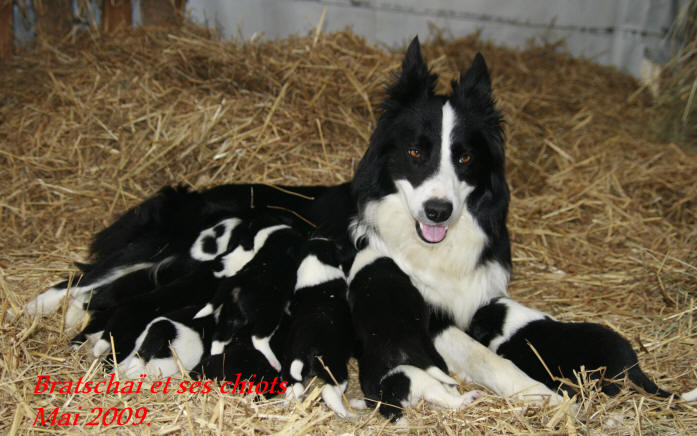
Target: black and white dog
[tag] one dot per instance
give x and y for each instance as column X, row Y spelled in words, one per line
column 550, row 350
column 432, row 196
column 319, row 338
column 428, row 204
column 258, row 286
column 399, row 364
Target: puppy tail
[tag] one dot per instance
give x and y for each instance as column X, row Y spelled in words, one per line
column 637, row 376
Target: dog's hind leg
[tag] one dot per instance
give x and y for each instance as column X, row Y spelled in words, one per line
column 48, row 301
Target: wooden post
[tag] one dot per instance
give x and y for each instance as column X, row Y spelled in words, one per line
column 162, row 11
column 54, row 18
column 115, row 14
column 6, row 29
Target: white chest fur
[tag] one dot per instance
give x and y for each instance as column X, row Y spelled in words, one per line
column 447, row 274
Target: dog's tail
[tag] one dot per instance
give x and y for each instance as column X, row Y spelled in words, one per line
column 639, row 378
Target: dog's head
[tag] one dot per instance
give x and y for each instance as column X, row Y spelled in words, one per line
column 442, row 153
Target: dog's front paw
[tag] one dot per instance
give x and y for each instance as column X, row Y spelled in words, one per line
column 472, row 396
column 514, row 383
column 406, row 385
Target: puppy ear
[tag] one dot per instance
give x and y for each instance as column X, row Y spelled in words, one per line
column 415, row 80
column 475, row 82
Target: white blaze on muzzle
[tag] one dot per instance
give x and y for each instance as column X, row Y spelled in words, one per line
column 444, row 186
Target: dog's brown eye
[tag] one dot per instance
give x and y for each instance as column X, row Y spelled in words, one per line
column 465, row 158
column 415, row 153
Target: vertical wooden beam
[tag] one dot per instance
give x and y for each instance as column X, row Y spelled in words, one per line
column 115, row 14
column 6, row 29
column 161, row 11
column 53, row 17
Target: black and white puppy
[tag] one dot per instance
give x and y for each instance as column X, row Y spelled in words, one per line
column 127, row 322
column 319, row 325
column 237, row 359
column 257, row 284
column 512, row 330
column 101, row 299
column 145, row 238
column 166, row 343
column 180, row 225
column 398, row 363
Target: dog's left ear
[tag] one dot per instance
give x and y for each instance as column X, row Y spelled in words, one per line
column 475, row 82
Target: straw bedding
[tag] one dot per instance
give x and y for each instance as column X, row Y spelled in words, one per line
column 603, row 220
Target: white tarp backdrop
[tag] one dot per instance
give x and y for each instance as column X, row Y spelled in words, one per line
column 611, row 32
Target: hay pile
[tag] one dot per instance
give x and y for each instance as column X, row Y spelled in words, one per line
column 603, row 221
column 678, row 81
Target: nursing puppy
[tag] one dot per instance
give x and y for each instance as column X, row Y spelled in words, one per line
column 319, row 325
column 163, row 337
column 128, row 320
column 238, row 360
column 257, row 286
column 101, row 301
column 398, row 363
column 511, row 329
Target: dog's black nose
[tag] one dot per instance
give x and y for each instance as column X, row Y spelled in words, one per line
column 438, row 210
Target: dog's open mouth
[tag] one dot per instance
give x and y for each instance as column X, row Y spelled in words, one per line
column 431, row 234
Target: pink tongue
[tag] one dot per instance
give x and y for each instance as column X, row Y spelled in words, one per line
column 433, row 233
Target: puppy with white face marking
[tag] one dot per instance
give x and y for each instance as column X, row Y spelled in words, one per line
column 512, row 330
column 126, row 322
column 237, row 357
column 398, row 363
column 319, row 325
column 176, row 331
column 432, row 197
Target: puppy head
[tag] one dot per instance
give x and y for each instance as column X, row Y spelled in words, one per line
column 326, row 251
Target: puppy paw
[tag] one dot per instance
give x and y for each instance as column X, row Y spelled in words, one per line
column 431, row 385
column 332, row 396
column 472, row 396
column 358, row 403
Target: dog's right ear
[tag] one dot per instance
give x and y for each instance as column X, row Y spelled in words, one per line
column 415, row 80
column 413, row 63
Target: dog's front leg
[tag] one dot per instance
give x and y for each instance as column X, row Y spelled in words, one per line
column 475, row 363
column 399, row 365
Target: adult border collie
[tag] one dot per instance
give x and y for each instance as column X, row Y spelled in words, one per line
column 430, row 195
